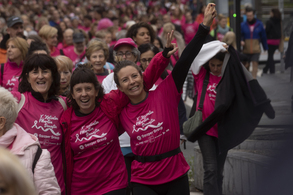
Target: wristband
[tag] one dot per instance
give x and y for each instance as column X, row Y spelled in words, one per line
column 166, row 51
column 205, row 27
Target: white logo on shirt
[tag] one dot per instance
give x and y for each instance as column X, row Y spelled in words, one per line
column 47, row 120
column 89, row 132
column 145, row 122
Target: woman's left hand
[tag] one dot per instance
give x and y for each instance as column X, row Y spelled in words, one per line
column 171, row 45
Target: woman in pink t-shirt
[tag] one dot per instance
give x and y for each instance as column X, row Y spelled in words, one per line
column 213, row 162
column 151, row 121
column 17, row 49
column 42, row 108
column 97, row 53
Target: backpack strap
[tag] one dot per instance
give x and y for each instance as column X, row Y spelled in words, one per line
column 21, row 103
column 62, row 102
column 2, row 71
column 61, row 52
column 37, row 157
column 204, row 89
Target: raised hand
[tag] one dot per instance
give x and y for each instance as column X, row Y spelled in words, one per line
column 171, row 45
column 209, row 14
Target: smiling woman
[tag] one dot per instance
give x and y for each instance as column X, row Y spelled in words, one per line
column 17, row 49
column 42, row 108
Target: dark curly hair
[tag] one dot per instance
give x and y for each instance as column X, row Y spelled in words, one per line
column 133, row 30
column 83, row 74
column 123, row 64
column 43, row 61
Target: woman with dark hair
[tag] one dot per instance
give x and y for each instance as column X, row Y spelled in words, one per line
column 158, row 43
column 41, row 107
column 141, row 33
column 151, row 120
column 208, row 66
column 94, row 161
column 274, row 34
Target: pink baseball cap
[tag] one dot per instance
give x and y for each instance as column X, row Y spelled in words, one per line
column 104, row 24
column 125, row 41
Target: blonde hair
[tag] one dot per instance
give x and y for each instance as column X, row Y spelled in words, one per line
column 9, row 106
column 40, row 21
column 96, row 45
column 221, row 16
column 14, row 175
column 168, row 27
column 63, row 63
column 100, row 34
column 47, row 31
column 21, row 44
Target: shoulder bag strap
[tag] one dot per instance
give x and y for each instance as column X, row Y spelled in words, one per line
column 21, row 103
column 37, row 156
column 204, row 89
column 62, row 102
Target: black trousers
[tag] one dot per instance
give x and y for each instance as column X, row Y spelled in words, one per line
column 270, row 65
column 175, row 187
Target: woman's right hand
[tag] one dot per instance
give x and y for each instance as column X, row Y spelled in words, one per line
column 209, row 14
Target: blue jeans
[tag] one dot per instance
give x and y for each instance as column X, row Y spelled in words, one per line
column 213, row 165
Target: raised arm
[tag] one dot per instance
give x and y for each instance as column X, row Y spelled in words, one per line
column 182, row 66
column 158, row 64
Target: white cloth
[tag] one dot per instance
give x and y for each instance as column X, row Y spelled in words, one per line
column 207, row 51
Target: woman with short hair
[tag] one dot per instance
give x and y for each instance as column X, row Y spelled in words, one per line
column 65, row 66
column 97, row 53
column 25, row 146
column 13, row 176
column 49, row 35
column 17, row 49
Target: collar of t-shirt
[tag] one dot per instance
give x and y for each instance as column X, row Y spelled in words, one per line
column 14, row 63
column 147, row 94
column 38, row 96
column 79, row 114
column 106, row 72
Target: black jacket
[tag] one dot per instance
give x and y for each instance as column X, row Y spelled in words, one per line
column 273, row 28
column 238, row 109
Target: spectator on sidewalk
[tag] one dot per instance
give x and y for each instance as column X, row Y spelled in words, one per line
column 221, row 29
column 274, row 34
column 14, row 29
column 25, row 146
column 252, row 32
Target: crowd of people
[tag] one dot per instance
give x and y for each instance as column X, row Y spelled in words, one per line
column 91, row 91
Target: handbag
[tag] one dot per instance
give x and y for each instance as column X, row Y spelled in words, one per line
column 193, row 122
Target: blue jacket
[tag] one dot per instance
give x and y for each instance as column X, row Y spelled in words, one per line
column 258, row 33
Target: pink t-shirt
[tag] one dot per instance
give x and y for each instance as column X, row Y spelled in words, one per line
column 153, row 127
column 11, row 73
column 98, row 163
column 210, row 97
column 75, row 58
column 55, row 52
column 86, row 29
column 42, row 120
column 189, row 31
column 103, row 75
